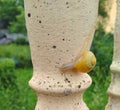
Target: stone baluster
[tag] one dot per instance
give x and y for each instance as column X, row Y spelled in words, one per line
column 56, row 31
column 114, row 89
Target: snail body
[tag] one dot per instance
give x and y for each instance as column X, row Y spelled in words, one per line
column 85, row 63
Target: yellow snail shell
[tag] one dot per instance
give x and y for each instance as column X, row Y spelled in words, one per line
column 84, row 64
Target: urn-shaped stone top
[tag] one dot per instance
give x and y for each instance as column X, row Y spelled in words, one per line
column 57, row 30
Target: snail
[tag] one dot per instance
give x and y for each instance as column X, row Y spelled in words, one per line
column 84, row 64
column 85, row 60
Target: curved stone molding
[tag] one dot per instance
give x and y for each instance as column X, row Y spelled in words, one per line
column 114, row 89
column 57, row 30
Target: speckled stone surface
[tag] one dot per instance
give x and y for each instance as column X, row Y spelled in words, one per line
column 114, row 89
column 56, row 30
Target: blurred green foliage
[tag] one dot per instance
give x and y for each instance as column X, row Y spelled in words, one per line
column 96, row 96
column 21, row 41
column 16, row 95
column 102, row 46
column 19, row 53
column 6, row 73
column 102, row 10
column 8, row 86
column 28, row 97
column 8, row 12
column 12, row 15
column 18, row 25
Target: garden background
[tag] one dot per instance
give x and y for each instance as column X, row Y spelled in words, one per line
column 16, row 66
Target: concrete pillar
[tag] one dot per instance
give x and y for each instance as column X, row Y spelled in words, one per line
column 57, row 30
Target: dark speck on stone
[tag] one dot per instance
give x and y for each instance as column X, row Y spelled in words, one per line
column 79, row 86
column 40, row 21
column 29, row 15
column 54, row 46
column 66, row 3
column 84, row 81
